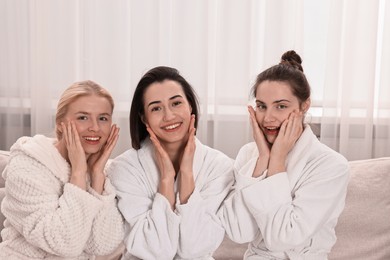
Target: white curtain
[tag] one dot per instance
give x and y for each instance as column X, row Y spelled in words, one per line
column 356, row 103
column 218, row 45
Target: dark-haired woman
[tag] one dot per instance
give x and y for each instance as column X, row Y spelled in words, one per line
column 290, row 189
column 169, row 185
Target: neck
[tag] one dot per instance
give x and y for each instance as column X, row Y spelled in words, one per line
column 175, row 153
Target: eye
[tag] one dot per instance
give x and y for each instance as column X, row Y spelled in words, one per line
column 176, row 103
column 154, row 109
column 83, row 118
column 103, row 118
column 281, row 106
column 260, row 106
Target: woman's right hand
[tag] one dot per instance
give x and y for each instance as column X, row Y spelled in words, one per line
column 167, row 171
column 261, row 143
column 76, row 155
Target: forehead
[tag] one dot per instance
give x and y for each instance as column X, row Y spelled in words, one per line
column 91, row 104
column 274, row 90
column 159, row 91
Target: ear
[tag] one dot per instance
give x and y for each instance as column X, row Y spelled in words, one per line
column 306, row 105
column 142, row 117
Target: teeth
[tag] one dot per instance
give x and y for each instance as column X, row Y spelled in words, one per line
column 92, row 138
column 170, row 127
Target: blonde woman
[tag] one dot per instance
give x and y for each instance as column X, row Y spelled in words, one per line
column 59, row 203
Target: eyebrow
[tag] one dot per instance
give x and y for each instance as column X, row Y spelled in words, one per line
column 276, row 101
column 86, row 113
column 158, row 101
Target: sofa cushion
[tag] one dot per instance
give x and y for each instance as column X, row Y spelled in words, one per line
column 364, row 226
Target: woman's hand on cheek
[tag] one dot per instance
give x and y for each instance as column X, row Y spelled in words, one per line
column 189, row 151
column 97, row 161
column 76, row 154
column 261, row 143
column 289, row 133
column 258, row 135
column 186, row 178
column 167, row 171
column 164, row 163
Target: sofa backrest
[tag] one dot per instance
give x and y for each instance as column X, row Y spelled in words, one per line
column 363, row 229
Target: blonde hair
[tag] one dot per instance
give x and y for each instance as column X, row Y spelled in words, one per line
column 75, row 91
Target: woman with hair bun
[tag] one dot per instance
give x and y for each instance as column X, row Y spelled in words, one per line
column 290, row 189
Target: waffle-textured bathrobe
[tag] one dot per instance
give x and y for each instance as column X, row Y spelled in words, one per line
column 290, row 215
column 153, row 230
column 49, row 218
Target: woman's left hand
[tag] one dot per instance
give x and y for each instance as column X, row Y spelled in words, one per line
column 186, row 178
column 289, row 133
column 187, row 160
column 97, row 161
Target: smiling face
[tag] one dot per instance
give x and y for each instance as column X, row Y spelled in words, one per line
column 274, row 103
column 92, row 116
column 167, row 111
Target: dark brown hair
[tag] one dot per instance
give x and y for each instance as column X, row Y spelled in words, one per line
column 289, row 70
column 138, row 131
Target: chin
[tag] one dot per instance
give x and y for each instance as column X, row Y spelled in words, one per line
column 271, row 140
column 91, row 150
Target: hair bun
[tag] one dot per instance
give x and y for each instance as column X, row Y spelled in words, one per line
column 293, row 59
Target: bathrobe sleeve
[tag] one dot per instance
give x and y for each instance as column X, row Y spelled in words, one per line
column 107, row 229
column 237, row 220
column 201, row 231
column 51, row 217
column 151, row 227
column 287, row 221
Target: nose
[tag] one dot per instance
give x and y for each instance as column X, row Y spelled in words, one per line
column 269, row 116
column 168, row 114
column 94, row 126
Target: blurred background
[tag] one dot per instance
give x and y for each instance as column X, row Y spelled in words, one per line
column 219, row 46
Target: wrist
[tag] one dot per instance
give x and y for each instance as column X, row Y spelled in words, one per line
column 276, row 165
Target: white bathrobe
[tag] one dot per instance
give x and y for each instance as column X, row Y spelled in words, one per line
column 154, row 231
column 290, row 215
column 49, row 218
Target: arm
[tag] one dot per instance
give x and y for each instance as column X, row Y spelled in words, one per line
column 54, row 217
column 166, row 169
column 151, row 227
column 186, row 175
column 107, row 229
column 201, row 231
column 287, row 221
column 239, row 224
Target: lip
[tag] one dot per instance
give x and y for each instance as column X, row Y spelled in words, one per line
column 271, row 130
column 92, row 139
column 172, row 127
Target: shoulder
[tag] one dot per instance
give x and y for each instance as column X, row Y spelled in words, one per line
column 323, row 157
column 247, row 152
column 211, row 154
column 130, row 165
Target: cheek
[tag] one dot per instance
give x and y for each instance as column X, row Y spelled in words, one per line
column 259, row 117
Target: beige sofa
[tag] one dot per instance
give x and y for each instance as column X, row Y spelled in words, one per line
column 363, row 229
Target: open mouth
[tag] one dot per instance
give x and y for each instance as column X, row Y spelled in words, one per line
column 271, row 130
